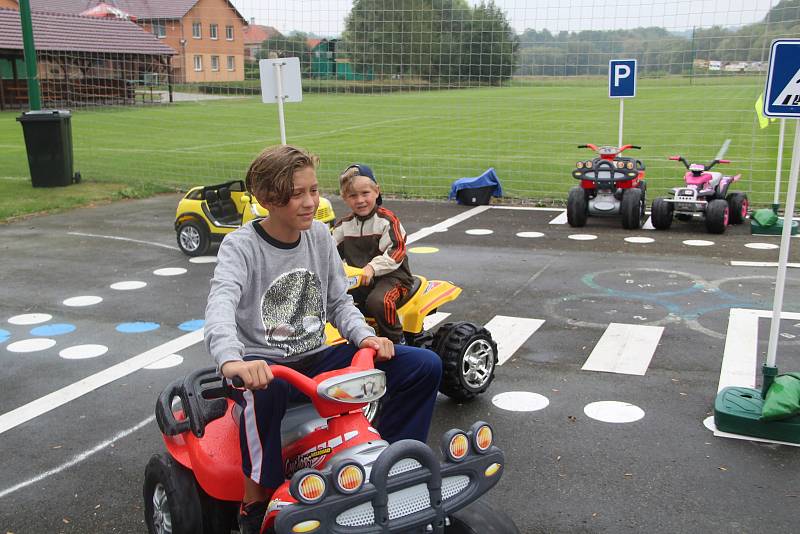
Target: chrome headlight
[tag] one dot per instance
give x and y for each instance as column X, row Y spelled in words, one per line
column 356, row 388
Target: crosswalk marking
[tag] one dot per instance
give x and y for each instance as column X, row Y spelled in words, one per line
column 433, row 319
column 737, row 263
column 560, row 219
column 510, row 333
column 625, row 349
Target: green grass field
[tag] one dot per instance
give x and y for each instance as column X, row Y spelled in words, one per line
column 417, row 142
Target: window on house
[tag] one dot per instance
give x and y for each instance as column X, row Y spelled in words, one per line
column 198, row 63
column 197, row 30
column 212, row 31
column 229, row 33
column 215, row 63
column 159, row 29
column 231, row 63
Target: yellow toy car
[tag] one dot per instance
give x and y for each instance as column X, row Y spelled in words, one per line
column 206, row 213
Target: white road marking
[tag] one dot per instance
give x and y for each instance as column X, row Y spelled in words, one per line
column 510, row 333
column 71, row 392
column 613, row 412
column 698, row 243
column 526, row 208
column 530, row 235
column 31, row 345
column 447, row 223
column 625, row 349
column 128, row 285
column 582, row 237
column 736, row 263
column 77, row 459
column 30, row 319
column 83, row 300
column 170, row 271
column 639, row 239
column 762, row 246
column 520, row 401
column 433, row 319
column 479, row 231
column 560, row 219
column 117, row 238
column 82, row 352
column 648, row 224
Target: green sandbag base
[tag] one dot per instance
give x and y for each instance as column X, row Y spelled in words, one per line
column 737, row 410
column 775, row 229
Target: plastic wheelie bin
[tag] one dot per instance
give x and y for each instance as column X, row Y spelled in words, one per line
column 48, row 140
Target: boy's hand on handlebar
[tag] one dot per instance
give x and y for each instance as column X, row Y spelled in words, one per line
column 255, row 374
column 367, row 275
column 384, row 349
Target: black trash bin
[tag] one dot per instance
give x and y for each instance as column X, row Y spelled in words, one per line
column 48, row 140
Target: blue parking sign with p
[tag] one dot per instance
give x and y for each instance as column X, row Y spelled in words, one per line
column 782, row 96
column 622, row 78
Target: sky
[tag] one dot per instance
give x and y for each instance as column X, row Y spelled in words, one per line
column 326, row 17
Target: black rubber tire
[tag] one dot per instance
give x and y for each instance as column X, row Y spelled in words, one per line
column 661, row 213
column 480, row 518
column 451, row 343
column 738, row 205
column 176, row 485
column 577, row 207
column 717, row 214
column 193, row 238
column 219, row 517
column 631, row 209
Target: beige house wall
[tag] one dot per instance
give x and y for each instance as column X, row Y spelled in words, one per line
column 9, row 4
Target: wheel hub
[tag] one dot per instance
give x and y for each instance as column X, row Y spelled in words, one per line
column 190, row 238
column 478, row 363
column 162, row 520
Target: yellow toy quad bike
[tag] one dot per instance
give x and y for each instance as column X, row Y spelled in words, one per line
column 467, row 350
column 207, row 213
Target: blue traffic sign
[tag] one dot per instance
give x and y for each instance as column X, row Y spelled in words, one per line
column 782, row 96
column 622, row 78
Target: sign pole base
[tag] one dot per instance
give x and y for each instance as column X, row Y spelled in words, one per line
column 775, row 229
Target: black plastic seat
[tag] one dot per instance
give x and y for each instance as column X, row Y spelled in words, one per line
column 228, row 208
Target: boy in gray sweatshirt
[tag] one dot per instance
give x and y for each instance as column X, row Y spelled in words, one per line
column 277, row 282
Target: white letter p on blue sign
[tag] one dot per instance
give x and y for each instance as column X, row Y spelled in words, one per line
column 622, row 78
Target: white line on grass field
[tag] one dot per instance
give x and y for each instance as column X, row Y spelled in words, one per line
column 444, row 225
column 740, row 359
column 561, row 219
column 510, row 333
column 71, row 392
column 117, row 238
column 625, row 349
column 77, row 458
column 736, row 263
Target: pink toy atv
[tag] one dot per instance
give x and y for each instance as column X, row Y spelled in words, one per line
column 706, row 194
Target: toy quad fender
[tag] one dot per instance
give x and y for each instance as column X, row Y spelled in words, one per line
column 705, row 193
column 610, row 185
column 341, row 476
column 468, row 352
column 205, row 214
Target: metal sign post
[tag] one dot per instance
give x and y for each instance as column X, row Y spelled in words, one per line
column 622, row 85
column 280, row 82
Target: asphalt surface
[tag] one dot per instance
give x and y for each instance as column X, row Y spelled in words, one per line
column 79, row 466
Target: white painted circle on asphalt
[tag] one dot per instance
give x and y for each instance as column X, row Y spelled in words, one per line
column 638, row 239
column 30, row 318
column 762, row 246
column 698, row 243
column 128, row 285
column 83, row 300
column 582, row 237
column 169, row 271
column 479, row 231
column 31, row 345
column 83, row 352
column 520, row 401
column 530, row 234
column 613, row 412
column 203, row 259
column 166, row 362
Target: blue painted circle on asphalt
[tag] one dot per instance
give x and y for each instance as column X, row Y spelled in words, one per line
column 53, row 329
column 136, row 328
column 4, row 335
column 191, row 326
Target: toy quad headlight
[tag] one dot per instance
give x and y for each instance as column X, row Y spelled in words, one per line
column 482, row 437
column 356, row 388
column 579, row 165
column 308, row 486
column 588, row 164
column 629, row 164
column 455, row 445
column 349, row 477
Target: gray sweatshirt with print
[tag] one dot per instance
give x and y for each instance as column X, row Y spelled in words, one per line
column 272, row 300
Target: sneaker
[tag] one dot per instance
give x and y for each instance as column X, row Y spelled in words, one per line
column 251, row 517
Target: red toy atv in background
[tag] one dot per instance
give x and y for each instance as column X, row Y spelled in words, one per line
column 610, row 185
column 341, row 476
column 705, row 193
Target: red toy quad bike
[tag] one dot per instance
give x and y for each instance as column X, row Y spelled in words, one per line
column 341, row 476
column 610, row 185
column 705, row 193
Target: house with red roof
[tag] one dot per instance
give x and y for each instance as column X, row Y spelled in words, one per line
column 254, row 37
column 80, row 60
column 207, row 35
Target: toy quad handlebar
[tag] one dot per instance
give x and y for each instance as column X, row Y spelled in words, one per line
column 619, row 150
column 706, row 167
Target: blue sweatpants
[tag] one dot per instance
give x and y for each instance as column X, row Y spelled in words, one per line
column 412, row 381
